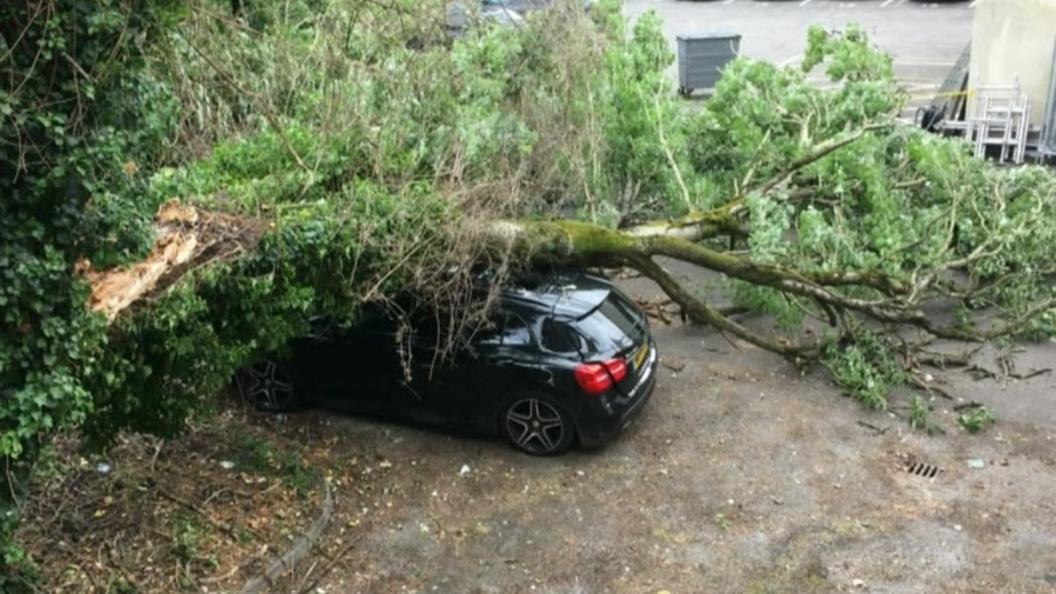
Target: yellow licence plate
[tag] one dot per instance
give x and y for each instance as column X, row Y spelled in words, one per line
column 640, row 356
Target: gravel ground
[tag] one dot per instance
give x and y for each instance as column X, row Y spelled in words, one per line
column 740, row 476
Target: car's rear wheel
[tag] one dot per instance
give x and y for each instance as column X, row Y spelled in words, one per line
column 537, row 425
column 267, row 387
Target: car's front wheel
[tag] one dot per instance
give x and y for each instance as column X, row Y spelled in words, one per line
column 266, row 386
column 537, row 425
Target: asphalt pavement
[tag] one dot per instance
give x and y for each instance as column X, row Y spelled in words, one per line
column 925, row 39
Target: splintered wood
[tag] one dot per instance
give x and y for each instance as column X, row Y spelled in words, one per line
column 185, row 239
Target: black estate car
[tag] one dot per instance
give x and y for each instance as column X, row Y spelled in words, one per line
column 567, row 358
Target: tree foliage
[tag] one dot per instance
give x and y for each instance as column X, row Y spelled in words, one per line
column 364, row 152
column 80, row 119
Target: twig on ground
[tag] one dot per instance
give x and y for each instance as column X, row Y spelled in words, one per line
column 944, row 360
column 159, row 443
column 874, row 428
column 919, row 382
column 1032, row 373
column 228, row 530
column 979, row 372
column 220, row 578
column 338, row 558
column 125, row 573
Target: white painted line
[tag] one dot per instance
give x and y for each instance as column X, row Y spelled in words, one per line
column 972, row 5
column 901, row 2
column 923, row 63
column 886, row 3
column 728, row 1
column 805, row 2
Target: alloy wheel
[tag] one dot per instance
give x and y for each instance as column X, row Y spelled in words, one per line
column 535, row 426
column 266, row 387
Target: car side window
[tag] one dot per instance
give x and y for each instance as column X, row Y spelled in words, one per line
column 507, row 329
column 559, row 337
column 516, row 331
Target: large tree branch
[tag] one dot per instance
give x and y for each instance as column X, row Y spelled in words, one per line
column 700, row 311
column 696, row 226
column 568, row 241
column 188, row 239
column 725, row 219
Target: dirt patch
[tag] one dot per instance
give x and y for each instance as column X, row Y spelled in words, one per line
column 204, row 512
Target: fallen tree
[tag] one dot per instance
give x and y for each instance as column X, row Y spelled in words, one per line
column 998, row 281
column 329, row 155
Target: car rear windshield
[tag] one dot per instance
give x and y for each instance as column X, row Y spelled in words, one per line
column 612, row 326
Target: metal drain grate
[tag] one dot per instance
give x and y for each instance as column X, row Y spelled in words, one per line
column 923, row 470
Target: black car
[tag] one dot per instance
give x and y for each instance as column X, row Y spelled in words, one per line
column 566, row 358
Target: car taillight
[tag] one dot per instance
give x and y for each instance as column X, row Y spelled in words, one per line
column 597, row 378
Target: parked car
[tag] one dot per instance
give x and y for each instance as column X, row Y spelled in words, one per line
column 566, row 358
column 461, row 16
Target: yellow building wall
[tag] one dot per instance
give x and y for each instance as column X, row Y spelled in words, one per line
column 1015, row 38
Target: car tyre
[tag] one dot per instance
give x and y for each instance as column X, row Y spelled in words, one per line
column 537, row 425
column 266, row 386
